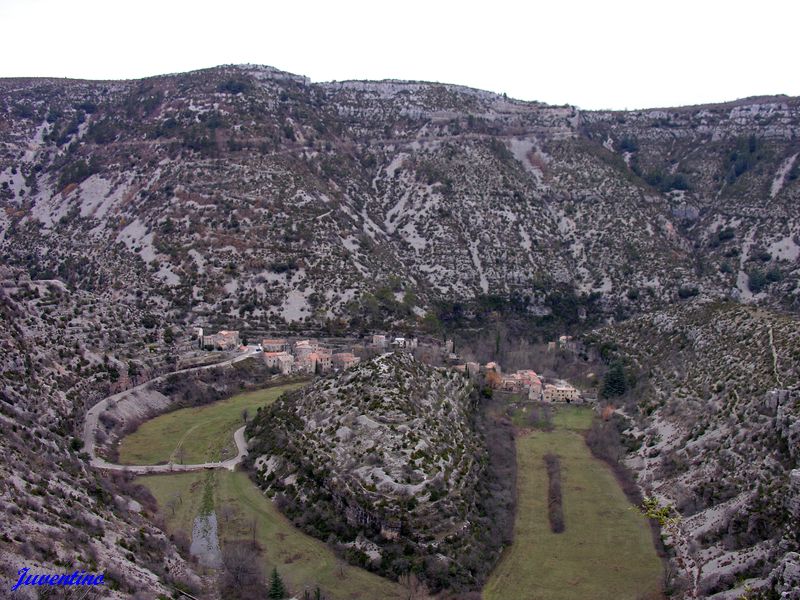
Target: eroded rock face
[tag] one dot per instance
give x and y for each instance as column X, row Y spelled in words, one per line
column 386, row 448
column 786, row 421
column 787, row 576
column 173, row 180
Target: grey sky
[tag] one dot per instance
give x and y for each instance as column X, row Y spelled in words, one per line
column 615, row 54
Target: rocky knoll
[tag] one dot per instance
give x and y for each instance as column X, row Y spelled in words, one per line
column 383, row 461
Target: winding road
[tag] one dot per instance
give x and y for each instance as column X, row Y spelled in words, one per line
column 93, row 415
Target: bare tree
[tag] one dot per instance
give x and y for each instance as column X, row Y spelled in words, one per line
column 412, row 585
column 242, row 576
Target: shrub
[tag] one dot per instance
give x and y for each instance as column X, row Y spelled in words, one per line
column 744, row 157
column 627, row 144
column 234, row 86
column 554, row 502
column 666, row 182
column 77, row 172
column 756, row 281
column 102, row 132
column 725, row 234
column 774, row 275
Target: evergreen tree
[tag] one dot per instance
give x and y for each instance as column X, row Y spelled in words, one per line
column 277, row 591
column 615, row 383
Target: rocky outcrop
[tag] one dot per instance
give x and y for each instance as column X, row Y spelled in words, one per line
column 787, row 423
column 60, row 514
column 786, row 577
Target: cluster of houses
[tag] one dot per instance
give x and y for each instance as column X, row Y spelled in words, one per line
column 310, row 356
column 304, row 356
column 382, row 341
column 223, row 340
column 287, row 356
column 524, row 381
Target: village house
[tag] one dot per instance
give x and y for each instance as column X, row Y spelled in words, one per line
column 344, row 360
column 275, row 345
column 560, row 392
column 224, row 340
column 473, row 369
column 401, row 342
column 521, row 382
column 512, row 383
column 324, row 360
column 306, row 362
column 280, row 360
column 303, row 348
column 535, row 389
column 566, row 342
column 492, row 366
column 379, row 341
column 314, row 361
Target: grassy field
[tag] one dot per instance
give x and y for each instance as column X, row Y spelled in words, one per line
column 195, row 435
column 300, row 559
column 565, row 416
column 606, row 551
column 571, row 417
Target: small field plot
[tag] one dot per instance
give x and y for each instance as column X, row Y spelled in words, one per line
column 572, row 417
column 242, row 512
column 195, row 435
column 542, row 415
column 606, row 549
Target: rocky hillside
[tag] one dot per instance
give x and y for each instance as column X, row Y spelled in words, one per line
column 251, row 197
column 384, row 461
column 717, row 436
column 57, row 511
column 244, row 191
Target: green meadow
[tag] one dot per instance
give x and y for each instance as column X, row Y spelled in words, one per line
column 195, row 435
column 606, row 551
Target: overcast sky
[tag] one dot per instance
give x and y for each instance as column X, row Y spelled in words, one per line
column 596, row 54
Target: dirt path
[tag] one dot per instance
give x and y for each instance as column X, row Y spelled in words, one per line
column 90, row 429
column 230, row 464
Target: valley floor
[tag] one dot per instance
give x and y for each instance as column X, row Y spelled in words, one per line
column 302, row 561
column 242, row 511
column 606, row 550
